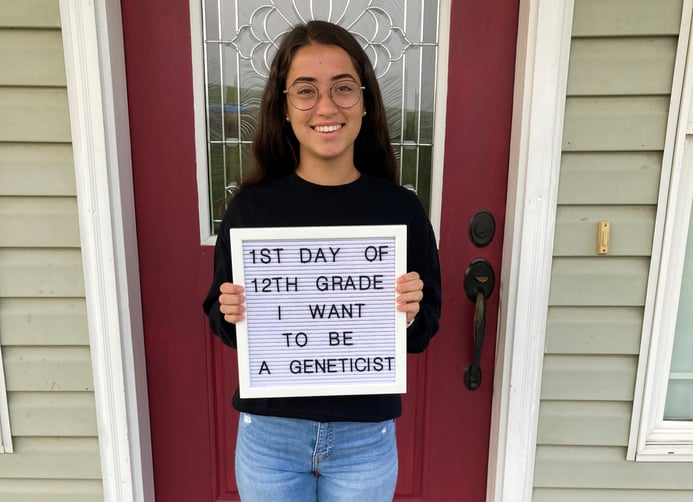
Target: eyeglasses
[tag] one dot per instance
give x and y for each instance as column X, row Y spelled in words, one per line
column 305, row 95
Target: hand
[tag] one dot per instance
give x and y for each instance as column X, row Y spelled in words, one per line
column 231, row 302
column 409, row 288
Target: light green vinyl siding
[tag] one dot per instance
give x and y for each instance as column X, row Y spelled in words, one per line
column 35, row 57
column 36, row 169
column 34, row 115
column 632, row 229
column 39, row 222
column 626, row 18
column 603, row 467
column 43, row 323
column 29, row 14
column 619, row 84
column 594, row 330
column 618, row 177
column 608, row 495
column 21, row 490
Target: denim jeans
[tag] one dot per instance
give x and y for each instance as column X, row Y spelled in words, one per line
column 292, row 460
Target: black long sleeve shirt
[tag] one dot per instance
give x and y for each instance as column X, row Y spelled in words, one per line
column 290, row 201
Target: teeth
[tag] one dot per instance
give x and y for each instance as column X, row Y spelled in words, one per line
column 329, row 128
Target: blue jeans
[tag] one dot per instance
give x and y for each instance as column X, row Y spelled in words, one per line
column 291, row 460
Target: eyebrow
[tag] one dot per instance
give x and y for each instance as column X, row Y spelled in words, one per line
column 341, row 76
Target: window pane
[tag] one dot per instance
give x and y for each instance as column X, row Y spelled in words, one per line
column 240, row 39
column 679, row 402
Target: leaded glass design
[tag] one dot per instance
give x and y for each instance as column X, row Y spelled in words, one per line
column 240, row 39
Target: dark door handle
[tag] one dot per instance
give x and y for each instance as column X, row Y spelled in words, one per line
column 479, row 280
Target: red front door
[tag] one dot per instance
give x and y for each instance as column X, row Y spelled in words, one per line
column 444, row 432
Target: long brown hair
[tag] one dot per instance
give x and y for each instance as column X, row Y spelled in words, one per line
column 275, row 147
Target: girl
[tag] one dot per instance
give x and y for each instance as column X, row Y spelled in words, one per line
column 323, row 157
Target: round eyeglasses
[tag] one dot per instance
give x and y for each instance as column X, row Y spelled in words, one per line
column 305, row 95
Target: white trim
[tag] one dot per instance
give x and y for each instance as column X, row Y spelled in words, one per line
column 652, row 438
column 5, row 431
column 543, row 46
column 200, row 122
column 95, row 69
column 440, row 115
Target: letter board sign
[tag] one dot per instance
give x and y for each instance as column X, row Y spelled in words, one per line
column 321, row 317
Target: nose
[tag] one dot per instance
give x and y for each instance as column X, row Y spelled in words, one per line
column 325, row 104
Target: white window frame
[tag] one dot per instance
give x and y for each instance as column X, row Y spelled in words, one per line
column 652, row 438
column 5, row 432
column 439, row 118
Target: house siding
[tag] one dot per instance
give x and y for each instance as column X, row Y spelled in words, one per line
column 43, row 323
column 619, row 90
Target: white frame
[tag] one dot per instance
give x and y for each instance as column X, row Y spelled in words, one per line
column 440, row 115
column 5, row 431
column 198, row 81
column 652, row 438
column 317, row 235
column 541, row 79
column 544, row 30
column 95, row 71
column 440, row 102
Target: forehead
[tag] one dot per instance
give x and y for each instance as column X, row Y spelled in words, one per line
column 321, row 63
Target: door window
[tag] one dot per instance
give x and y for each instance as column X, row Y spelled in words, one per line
column 238, row 40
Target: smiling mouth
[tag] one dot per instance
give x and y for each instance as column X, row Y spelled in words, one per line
column 328, row 128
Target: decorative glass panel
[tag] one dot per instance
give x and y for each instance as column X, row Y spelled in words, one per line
column 679, row 402
column 241, row 38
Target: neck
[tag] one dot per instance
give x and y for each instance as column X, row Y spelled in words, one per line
column 328, row 175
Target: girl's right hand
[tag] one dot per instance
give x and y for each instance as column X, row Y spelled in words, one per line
column 231, row 302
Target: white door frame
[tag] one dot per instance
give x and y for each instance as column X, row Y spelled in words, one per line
column 94, row 56
column 95, row 71
column 541, row 76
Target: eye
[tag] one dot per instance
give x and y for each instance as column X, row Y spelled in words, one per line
column 304, row 90
column 344, row 87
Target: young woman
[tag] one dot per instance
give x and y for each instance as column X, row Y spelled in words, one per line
column 323, row 157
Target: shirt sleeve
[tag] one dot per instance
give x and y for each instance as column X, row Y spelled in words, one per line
column 222, row 273
column 422, row 257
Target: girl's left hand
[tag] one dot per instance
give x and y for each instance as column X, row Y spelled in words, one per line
column 409, row 288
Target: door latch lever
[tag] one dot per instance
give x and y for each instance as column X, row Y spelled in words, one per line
column 479, row 280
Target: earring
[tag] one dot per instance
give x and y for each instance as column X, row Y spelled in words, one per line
column 287, row 119
column 364, row 113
